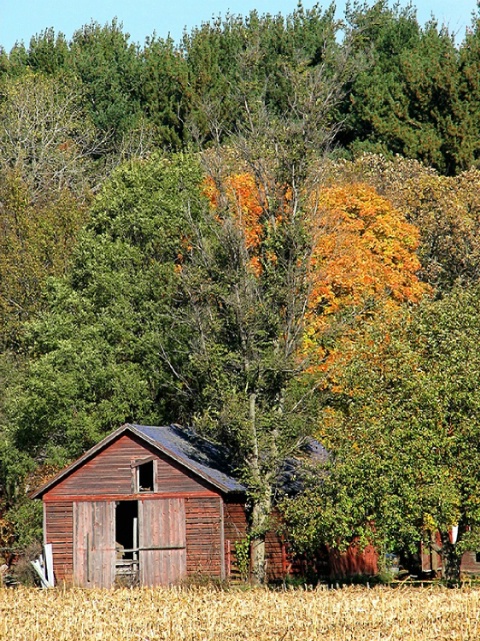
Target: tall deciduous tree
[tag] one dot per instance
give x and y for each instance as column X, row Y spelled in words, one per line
column 253, row 294
column 36, row 241
column 403, row 437
column 250, row 304
column 272, row 77
column 263, row 290
column 46, row 136
column 445, row 209
column 103, row 352
column 363, row 260
column 246, row 288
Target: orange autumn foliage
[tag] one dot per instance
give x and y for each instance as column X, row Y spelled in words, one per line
column 245, row 200
column 364, row 252
column 240, row 191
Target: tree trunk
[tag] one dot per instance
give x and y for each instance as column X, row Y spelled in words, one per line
column 262, row 502
column 451, row 560
column 259, row 526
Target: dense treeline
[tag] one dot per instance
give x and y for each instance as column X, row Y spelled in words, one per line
column 406, row 87
column 252, row 230
column 377, row 81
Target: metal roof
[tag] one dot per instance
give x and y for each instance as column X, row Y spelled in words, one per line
column 200, row 456
column 292, row 476
column 195, row 452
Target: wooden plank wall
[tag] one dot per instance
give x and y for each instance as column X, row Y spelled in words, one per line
column 235, row 530
column 59, row 532
column 94, row 544
column 276, row 560
column 170, row 477
column 162, row 524
column 277, row 563
column 204, row 536
column 469, row 563
column 109, row 473
column 354, row 561
column 432, row 563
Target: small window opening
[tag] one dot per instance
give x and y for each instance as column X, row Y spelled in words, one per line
column 145, row 477
column 477, row 557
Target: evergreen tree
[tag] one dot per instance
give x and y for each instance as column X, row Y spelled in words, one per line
column 408, row 98
column 109, row 68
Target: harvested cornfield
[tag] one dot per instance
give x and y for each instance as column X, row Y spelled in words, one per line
column 201, row 614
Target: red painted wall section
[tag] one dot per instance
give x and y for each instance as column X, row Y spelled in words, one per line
column 470, row 565
column 276, row 559
column 354, row 561
column 109, row 472
column 235, row 530
column 59, row 532
column 204, row 536
column 432, row 564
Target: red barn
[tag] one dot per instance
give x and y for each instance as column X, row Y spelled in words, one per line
column 148, row 506
column 156, row 506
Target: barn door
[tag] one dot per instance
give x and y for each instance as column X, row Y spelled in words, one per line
column 94, row 543
column 162, row 541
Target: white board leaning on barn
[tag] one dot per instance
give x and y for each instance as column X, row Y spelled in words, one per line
column 44, row 566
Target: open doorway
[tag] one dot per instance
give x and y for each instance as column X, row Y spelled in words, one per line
column 126, row 542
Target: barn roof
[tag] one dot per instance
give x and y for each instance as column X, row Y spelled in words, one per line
column 195, row 452
column 183, row 445
column 291, row 479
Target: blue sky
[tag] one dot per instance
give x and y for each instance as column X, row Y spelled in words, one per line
column 20, row 19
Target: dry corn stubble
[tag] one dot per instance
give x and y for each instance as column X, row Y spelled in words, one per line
column 202, row 614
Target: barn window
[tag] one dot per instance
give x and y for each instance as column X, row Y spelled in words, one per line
column 143, row 474
column 477, row 557
column 145, row 477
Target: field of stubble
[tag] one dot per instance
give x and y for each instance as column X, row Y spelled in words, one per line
column 199, row 614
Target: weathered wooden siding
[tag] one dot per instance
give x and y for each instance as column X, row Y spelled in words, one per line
column 235, row 521
column 173, row 478
column 277, row 561
column 109, row 473
column 275, row 552
column 354, row 561
column 58, row 530
column 94, row 544
column 469, row 563
column 162, row 524
column 432, row 563
column 235, row 530
column 205, row 553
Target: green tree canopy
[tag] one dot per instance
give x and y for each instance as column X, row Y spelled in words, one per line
column 403, row 435
column 109, row 68
column 409, row 98
column 98, row 356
